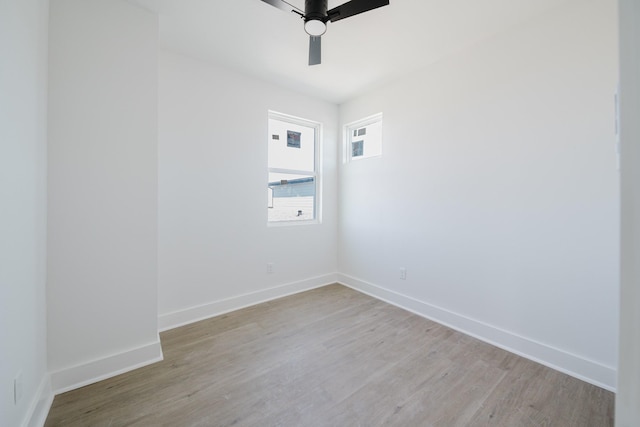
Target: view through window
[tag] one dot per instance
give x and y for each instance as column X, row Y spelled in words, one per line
column 292, row 161
column 364, row 138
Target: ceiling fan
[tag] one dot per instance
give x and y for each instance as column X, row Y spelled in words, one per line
column 316, row 16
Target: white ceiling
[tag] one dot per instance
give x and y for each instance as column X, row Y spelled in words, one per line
column 358, row 53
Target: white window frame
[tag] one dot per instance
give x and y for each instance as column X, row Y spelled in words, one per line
column 317, row 133
column 348, row 135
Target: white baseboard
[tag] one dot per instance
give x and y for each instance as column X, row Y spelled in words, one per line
column 194, row 314
column 40, row 405
column 560, row 360
column 106, row 367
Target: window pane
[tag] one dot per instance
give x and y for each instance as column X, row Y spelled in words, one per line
column 291, row 197
column 291, row 146
column 357, row 148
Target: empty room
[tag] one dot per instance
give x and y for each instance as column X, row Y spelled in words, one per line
column 319, row 213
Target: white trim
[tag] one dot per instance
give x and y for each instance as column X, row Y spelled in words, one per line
column 205, row 311
column 627, row 413
column 293, row 223
column 40, row 405
column 571, row 364
column 292, row 119
column 100, row 369
column 293, row 172
column 365, row 121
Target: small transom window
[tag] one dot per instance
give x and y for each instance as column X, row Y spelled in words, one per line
column 364, row 138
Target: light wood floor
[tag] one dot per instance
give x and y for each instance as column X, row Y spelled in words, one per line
column 332, row 357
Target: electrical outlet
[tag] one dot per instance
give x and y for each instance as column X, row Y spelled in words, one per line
column 403, row 273
column 269, row 268
column 17, row 388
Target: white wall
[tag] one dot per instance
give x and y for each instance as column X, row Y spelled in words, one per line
column 214, row 243
column 628, row 393
column 23, row 121
column 102, row 218
column 498, row 191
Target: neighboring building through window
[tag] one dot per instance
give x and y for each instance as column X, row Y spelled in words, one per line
column 364, row 138
column 293, row 184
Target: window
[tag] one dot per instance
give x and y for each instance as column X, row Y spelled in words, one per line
column 292, row 187
column 364, row 138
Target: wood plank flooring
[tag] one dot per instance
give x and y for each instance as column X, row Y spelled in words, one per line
column 332, row 357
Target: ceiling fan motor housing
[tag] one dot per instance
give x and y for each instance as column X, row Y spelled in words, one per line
column 315, row 10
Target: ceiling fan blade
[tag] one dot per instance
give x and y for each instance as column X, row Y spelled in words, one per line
column 283, row 5
column 354, row 7
column 315, row 50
